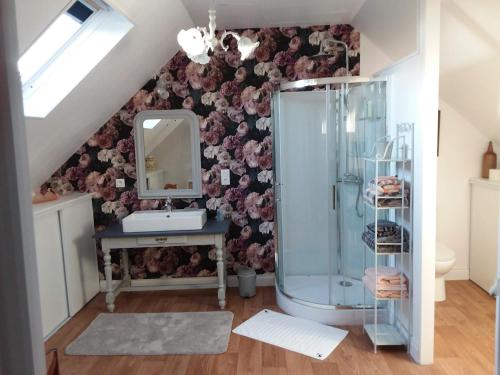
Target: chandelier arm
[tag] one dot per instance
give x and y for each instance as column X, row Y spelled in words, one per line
column 203, row 31
column 224, row 35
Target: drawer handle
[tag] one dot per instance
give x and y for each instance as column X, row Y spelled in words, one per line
column 161, row 239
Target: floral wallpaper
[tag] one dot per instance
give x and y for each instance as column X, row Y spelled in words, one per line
column 232, row 100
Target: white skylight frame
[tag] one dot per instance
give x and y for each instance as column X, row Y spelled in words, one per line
column 97, row 36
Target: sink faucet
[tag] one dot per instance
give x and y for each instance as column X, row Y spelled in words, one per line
column 168, row 205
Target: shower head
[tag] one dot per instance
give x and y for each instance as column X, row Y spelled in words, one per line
column 330, row 47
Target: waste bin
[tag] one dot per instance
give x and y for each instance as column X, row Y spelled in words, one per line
column 246, row 280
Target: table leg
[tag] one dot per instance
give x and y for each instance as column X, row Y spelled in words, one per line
column 110, row 297
column 221, row 269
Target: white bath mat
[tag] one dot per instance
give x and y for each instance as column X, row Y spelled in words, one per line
column 298, row 335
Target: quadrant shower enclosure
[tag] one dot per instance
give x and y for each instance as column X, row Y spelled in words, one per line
column 322, row 128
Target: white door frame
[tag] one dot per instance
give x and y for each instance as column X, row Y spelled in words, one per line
column 21, row 343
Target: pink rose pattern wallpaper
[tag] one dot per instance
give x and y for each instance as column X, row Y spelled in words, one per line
column 233, row 101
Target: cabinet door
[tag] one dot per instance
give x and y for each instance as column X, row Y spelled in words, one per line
column 80, row 256
column 484, row 235
column 50, row 267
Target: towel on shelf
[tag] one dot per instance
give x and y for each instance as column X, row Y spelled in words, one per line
column 385, row 228
column 386, row 185
column 388, row 232
column 370, row 196
column 389, row 282
column 385, row 293
column 383, row 271
column 386, row 188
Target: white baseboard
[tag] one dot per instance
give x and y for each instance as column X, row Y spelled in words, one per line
column 180, row 283
column 458, row 274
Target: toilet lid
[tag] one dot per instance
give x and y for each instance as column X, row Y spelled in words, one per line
column 444, row 253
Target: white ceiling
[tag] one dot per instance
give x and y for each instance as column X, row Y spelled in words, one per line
column 379, row 18
column 239, row 14
column 470, row 62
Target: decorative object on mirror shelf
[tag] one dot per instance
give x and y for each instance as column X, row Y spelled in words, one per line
column 151, row 164
column 489, row 161
column 197, row 42
column 167, row 152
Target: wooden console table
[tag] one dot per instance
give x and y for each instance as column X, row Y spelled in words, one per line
column 212, row 233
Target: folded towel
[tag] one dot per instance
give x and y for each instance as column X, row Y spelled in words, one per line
column 384, row 293
column 385, row 200
column 396, row 284
column 385, row 185
column 392, row 246
column 388, row 232
column 384, row 226
column 383, row 271
column 386, row 189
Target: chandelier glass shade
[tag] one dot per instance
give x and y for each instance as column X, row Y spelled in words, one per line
column 197, row 42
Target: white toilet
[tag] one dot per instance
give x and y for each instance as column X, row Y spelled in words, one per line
column 445, row 260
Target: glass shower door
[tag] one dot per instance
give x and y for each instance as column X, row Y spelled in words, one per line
column 307, row 233
column 361, row 121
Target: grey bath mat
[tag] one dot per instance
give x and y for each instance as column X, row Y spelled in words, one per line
column 155, row 334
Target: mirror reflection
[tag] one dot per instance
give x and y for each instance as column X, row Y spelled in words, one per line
column 167, row 151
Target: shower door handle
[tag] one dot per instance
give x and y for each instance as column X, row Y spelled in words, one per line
column 334, row 197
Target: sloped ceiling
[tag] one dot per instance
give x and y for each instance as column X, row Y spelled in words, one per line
column 139, row 55
column 391, row 28
column 470, row 62
column 239, row 14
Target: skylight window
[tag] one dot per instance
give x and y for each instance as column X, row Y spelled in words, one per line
column 53, row 39
column 150, row 123
column 66, row 52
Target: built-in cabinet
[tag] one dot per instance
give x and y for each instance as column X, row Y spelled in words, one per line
column 66, row 258
column 484, row 231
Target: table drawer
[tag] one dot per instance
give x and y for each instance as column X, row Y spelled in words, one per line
column 162, row 240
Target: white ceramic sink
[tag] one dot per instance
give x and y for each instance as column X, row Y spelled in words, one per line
column 157, row 220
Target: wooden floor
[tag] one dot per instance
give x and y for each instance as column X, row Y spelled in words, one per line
column 464, row 340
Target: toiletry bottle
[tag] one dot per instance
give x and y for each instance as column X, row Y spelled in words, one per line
column 219, row 216
column 489, row 161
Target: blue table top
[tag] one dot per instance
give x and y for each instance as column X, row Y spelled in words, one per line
column 212, row 226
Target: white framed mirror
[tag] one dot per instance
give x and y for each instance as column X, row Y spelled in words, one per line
column 167, row 152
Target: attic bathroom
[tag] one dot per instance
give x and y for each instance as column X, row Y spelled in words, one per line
column 249, row 187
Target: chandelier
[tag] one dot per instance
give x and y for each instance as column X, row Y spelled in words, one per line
column 197, row 42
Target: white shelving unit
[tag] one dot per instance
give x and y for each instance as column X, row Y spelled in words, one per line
column 393, row 327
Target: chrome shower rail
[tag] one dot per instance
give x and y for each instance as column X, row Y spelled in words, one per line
column 326, row 81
